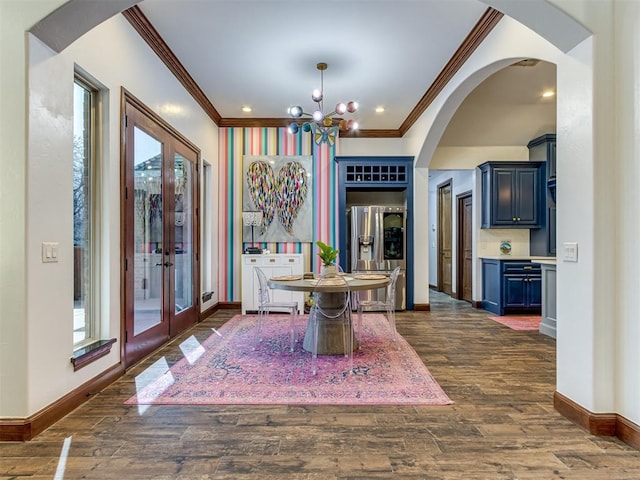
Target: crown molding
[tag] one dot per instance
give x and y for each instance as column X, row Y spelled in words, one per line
column 487, row 22
column 149, row 34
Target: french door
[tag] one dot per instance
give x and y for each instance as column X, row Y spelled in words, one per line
column 160, row 232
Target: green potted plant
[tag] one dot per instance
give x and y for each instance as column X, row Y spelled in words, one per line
column 328, row 255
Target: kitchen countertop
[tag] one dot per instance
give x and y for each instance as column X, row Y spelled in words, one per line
column 530, row 258
column 545, row 261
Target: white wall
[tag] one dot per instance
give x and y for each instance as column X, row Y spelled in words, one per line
column 461, row 158
column 16, row 17
column 627, row 327
column 115, row 55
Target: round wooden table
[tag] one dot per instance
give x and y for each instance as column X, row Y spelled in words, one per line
column 330, row 338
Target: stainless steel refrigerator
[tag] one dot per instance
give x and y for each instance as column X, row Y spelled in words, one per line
column 377, row 243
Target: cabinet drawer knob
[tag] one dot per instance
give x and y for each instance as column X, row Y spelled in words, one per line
column 518, row 218
column 514, row 219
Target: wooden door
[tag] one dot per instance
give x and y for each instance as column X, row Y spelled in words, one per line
column 465, row 246
column 160, row 235
column 445, row 264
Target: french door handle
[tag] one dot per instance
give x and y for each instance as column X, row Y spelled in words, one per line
column 168, row 264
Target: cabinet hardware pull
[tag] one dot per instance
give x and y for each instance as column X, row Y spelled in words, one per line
column 518, row 218
column 514, row 219
column 272, row 260
column 529, row 267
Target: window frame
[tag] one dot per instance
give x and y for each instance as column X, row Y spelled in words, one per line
column 95, row 124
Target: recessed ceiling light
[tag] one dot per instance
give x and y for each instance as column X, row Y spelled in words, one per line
column 246, row 109
column 548, row 93
column 379, row 109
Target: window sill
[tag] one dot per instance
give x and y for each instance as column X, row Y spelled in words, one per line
column 85, row 355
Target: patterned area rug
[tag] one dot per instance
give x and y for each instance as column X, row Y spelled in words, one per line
column 225, row 369
column 520, row 322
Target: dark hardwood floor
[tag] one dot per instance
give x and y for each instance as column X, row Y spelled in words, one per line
column 501, row 426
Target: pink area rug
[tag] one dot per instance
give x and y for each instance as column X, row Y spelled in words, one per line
column 225, row 370
column 520, row 322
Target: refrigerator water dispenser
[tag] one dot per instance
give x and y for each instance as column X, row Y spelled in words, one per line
column 365, row 243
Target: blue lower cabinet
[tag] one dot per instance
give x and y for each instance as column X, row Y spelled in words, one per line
column 510, row 286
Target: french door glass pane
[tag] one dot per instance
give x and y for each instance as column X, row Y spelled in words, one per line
column 148, row 235
column 183, row 233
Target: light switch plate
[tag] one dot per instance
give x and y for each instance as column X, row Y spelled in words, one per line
column 50, row 252
column 570, row 252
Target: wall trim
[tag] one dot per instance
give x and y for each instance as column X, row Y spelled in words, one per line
column 599, row 424
column 208, row 312
column 24, row 429
column 421, row 307
column 229, row 305
column 476, row 304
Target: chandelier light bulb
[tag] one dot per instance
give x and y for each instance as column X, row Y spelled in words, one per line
column 317, row 116
column 352, row 107
column 341, row 108
column 352, row 124
column 293, row 127
column 295, row 111
column 316, row 95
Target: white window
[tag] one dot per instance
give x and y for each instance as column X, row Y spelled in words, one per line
column 86, row 137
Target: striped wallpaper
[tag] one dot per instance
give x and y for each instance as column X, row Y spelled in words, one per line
column 234, row 143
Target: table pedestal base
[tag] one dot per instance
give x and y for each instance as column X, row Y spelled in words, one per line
column 330, row 337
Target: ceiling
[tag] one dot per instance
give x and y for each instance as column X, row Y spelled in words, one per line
column 263, row 54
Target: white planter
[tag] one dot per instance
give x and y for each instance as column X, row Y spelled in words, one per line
column 328, row 270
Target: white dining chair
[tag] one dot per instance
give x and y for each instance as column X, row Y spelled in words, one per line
column 266, row 306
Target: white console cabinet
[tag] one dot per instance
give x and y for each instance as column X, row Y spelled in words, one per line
column 272, row 265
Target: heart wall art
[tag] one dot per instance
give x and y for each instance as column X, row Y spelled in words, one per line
column 281, row 187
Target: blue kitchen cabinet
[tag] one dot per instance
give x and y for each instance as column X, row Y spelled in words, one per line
column 511, row 286
column 511, row 194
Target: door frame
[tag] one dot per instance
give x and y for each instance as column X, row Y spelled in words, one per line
column 127, row 100
column 460, row 198
column 449, row 183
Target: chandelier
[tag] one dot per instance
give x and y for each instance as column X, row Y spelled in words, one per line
column 323, row 126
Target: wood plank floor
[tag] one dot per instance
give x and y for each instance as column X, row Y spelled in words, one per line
column 501, row 426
